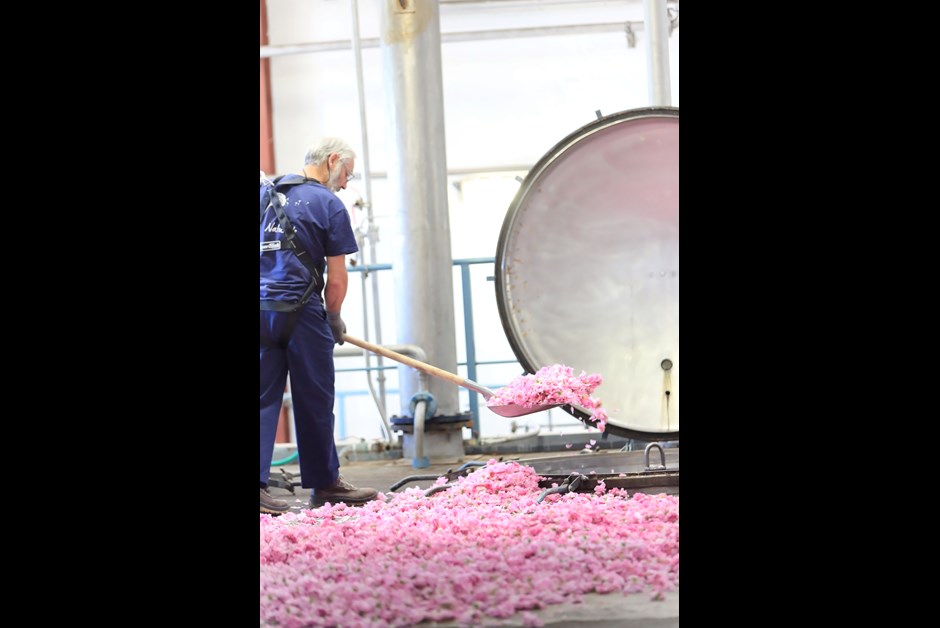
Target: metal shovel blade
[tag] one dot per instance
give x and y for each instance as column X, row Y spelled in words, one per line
column 513, row 410
column 509, row 410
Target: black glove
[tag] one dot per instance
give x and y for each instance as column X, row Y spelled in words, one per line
column 337, row 326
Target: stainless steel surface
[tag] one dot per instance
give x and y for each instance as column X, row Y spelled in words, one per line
column 588, row 265
column 657, row 52
column 422, row 268
column 601, row 463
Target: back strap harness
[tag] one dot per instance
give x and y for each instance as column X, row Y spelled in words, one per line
column 316, row 284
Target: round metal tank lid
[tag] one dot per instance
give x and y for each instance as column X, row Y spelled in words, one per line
column 587, row 266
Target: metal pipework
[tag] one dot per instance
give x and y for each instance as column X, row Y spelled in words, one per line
column 372, row 230
column 377, row 396
column 420, row 461
column 411, row 59
column 413, row 351
column 629, row 27
column 657, row 51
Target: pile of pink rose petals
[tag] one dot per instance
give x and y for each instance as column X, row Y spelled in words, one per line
column 556, row 384
column 483, row 548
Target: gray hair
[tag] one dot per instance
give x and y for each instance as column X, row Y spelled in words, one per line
column 319, row 152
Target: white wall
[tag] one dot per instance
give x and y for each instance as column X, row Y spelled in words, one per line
column 506, row 103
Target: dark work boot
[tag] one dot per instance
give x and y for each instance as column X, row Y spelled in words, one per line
column 341, row 491
column 272, row 506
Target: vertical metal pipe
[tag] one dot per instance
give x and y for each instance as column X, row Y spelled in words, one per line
column 360, row 93
column 471, row 345
column 378, row 397
column 420, row 461
column 411, row 57
column 657, row 51
column 372, row 232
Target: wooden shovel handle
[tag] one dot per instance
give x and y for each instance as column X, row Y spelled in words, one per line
column 418, row 364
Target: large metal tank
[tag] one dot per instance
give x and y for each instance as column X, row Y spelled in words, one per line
column 587, row 266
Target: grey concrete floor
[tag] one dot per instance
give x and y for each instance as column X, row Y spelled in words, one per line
column 596, row 611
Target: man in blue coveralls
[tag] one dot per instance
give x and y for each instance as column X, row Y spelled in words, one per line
column 299, row 324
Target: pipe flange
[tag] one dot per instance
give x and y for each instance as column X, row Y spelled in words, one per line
column 423, row 396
